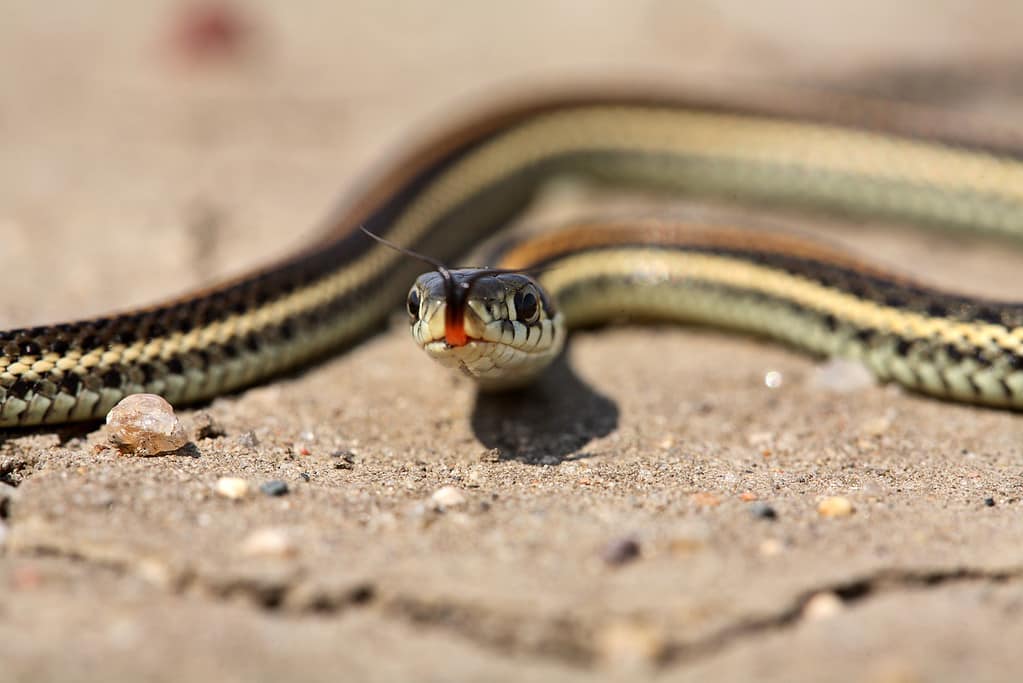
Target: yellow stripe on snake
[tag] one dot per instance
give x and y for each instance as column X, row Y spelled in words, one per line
column 500, row 327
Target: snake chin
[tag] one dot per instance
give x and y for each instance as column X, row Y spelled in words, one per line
column 492, row 365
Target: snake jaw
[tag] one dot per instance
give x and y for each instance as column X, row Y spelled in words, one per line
column 490, row 359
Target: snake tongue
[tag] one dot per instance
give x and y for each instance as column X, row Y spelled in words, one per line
column 455, row 335
column 454, row 326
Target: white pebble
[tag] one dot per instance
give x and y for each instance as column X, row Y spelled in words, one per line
column 156, row 572
column 145, row 424
column 842, row 376
column 234, row 488
column 878, row 425
column 770, row 547
column 448, row 497
column 269, row 542
column 822, row 606
column 475, row 479
column 835, row 506
column 630, row 645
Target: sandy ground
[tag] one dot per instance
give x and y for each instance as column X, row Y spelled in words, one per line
column 129, row 171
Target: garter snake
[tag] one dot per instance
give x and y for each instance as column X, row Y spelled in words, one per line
column 448, row 194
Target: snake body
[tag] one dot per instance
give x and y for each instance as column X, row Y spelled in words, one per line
column 461, row 186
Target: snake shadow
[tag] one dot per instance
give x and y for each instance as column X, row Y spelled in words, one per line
column 554, row 417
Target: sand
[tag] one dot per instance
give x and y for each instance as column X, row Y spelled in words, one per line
column 613, row 521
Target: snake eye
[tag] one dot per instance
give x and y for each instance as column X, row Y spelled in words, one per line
column 413, row 303
column 527, row 306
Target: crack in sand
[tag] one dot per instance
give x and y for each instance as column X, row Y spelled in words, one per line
column 849, row 592
column 567, row 638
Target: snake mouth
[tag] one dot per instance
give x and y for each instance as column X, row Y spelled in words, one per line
column 439, row 346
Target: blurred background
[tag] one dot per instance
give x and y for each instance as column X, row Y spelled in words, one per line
column 147, row 146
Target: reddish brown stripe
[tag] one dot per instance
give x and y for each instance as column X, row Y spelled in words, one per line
column 662, row 231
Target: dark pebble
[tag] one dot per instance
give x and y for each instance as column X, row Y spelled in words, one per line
column 990, row 502
column 344, row 460
column 274, row 487
column 7, row 495
column 620, row 551
column 492, row 455
column 763, row 511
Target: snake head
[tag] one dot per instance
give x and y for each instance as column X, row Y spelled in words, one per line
column 498, row 327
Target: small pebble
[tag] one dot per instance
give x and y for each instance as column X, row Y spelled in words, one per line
column 8, row 494
column 770, row 547
column 492, row 455
column 156, row 572
column 877, row 426
column 773, row 379
column 704, row 499
column 822, row 606
column 344, row 460
column 474, row 479
column 620, row 551
column 269, row 542
column 204, row 426
column 145, row 424
column 842, row 376
column 274, row 487
column 763, row 511
column 234, row 488
column 989, row 502
column 448, row 497
column 248, row 440
column 686, row 545
column 689, row 538
column 835, row 506
column 631, row 645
